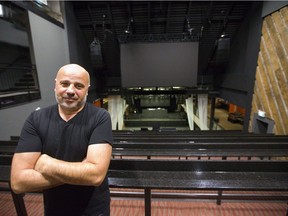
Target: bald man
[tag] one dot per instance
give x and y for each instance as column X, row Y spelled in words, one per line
column 65, row 149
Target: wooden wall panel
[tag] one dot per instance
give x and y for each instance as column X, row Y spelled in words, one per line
column 271, row 83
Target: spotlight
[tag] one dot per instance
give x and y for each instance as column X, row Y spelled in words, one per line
column 127, row 31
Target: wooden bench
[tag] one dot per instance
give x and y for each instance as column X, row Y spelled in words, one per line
column 200, row 132
column 8, row 142
column 195, row 139
column 8, row 147
column 200, row 150
column 198, row 175
column 180, row 132
column 205, row 133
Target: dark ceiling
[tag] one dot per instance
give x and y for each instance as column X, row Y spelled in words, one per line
column 112, row 22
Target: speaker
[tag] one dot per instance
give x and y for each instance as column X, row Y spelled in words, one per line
column 96, row 55
column 223, row 50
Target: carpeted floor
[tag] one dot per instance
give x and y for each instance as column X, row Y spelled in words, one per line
column 135, row 207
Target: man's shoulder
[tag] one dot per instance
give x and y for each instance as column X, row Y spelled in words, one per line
column 45, row 109
column 38, row 112
column 96, row 112
column 93, row 108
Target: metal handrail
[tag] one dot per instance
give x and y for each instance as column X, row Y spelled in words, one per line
column 11, row 93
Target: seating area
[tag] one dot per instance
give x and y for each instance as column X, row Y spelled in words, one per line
column 220, row 176
column 193, row 165
column 223, row 162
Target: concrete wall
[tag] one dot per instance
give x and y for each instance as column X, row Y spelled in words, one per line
column 238, row 81
column 272, row 6
column 79, row 49
column 237, row 85
column 239, row 78
column 51, row 52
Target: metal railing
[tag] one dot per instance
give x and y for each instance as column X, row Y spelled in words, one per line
column 18, row 84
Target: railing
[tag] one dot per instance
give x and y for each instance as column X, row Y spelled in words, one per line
column 18, row 84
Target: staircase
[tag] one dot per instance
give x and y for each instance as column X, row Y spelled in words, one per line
column 24, row 90
column 26, row 82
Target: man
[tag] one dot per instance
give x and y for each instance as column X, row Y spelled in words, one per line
column 65, row 149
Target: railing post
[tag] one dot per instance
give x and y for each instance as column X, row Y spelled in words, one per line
column 19, row 203
column 147, row 201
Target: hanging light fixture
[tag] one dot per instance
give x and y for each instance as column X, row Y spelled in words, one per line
column 127, row 30
column 189, row 28
column 96, row 40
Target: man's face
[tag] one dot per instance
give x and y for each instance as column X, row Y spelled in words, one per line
column 71, row 89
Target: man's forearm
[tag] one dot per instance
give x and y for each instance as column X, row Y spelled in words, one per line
column 78, row 173
column 30, row 180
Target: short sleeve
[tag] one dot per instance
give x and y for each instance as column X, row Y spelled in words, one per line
column 102, row 131
column 30, row 140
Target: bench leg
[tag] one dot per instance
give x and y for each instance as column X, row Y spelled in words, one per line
column 219, row 197
column 19, row 203
column 147, row 201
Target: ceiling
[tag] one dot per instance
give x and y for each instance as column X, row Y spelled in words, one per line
column 112, row 22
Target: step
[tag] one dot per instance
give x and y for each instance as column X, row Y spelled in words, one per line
column 25, row 84
column 154, row 122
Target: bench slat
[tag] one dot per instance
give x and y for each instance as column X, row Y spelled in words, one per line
column 201, row 166
column 201, row 153
column 252, row 181
column 217, row 175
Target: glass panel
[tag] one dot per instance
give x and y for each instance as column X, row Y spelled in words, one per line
column 18, row 74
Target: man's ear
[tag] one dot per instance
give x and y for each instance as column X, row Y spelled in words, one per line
column 55, row 84
column 88, row 89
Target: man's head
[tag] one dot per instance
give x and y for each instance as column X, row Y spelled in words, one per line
column 71, row 87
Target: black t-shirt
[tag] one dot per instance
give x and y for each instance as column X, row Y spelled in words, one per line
column 46, row 132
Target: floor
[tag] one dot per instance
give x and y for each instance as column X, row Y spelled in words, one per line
column 135, row 207
column 223, row 123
